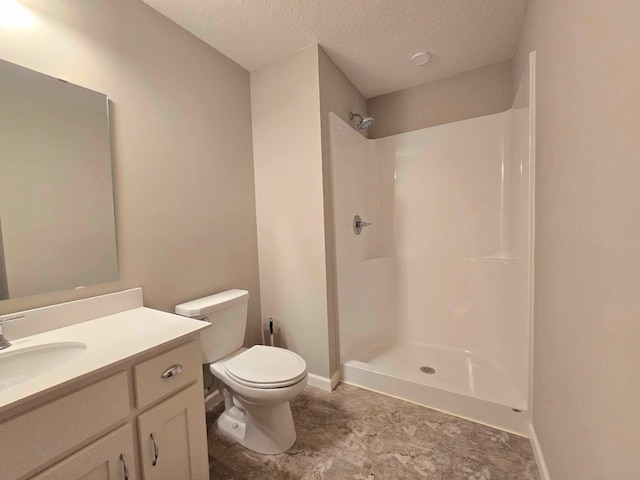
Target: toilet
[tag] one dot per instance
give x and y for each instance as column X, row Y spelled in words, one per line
column 256, row 383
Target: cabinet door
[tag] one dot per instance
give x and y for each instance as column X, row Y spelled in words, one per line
column 173, row 438
column 55, row 429
column 110, row 458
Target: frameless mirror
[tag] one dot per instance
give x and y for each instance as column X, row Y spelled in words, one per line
column 57, row 227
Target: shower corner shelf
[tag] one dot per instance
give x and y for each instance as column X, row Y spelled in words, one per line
column 499, row 257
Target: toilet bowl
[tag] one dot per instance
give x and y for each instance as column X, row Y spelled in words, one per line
column 257, row 412
column 257, row 383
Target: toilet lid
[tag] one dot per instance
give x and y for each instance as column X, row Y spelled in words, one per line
column 266, row 367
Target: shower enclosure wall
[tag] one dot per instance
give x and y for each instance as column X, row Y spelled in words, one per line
column 434, row 298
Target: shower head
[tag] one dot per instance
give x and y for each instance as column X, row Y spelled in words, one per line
column 365, row 122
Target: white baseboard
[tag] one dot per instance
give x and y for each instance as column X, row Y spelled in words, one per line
column 323, row 383
column 212, row 400
column 537, row 451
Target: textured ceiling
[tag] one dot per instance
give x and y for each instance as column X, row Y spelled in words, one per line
column 370, row 40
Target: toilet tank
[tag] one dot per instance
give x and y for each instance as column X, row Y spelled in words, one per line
column 227, row 313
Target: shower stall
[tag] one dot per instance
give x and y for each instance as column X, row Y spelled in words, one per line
column 434, row 299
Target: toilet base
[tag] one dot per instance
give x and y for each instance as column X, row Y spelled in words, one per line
column 266, row 429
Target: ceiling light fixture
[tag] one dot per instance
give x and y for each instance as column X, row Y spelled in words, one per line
column 420, row 58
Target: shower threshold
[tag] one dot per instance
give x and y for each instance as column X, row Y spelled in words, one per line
column 449, row 380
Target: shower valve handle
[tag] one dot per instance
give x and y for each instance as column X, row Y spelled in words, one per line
column 358, row 224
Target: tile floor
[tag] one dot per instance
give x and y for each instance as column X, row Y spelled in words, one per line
column 356, row 434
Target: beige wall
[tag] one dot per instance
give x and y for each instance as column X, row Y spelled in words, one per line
column 471, row 94
column 340, row 96
column 587, row 327
column 287, row 146
column 291, row 100
column 181, row 137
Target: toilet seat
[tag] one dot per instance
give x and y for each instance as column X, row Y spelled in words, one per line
column 266, row 367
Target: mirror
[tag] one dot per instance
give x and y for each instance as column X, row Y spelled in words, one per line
column 57, row 227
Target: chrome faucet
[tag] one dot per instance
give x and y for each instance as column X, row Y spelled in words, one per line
column 4, row 343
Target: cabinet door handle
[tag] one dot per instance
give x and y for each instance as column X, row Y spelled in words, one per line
column 172, row 371
column 125, row 470
column 156, row 450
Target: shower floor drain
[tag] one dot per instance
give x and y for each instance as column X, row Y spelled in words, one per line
column 428, row 370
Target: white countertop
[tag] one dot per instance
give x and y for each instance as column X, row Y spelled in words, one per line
column 109, row 340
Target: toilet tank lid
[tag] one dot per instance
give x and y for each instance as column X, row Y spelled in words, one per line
column 212, row 303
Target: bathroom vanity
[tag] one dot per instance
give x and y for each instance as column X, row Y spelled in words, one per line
column 114, row 391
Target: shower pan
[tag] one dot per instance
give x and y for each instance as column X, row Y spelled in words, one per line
column 434, row 298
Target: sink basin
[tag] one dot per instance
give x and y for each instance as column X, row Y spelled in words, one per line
column 19, row 366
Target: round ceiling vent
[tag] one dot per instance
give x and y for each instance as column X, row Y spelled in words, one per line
column 420, row 58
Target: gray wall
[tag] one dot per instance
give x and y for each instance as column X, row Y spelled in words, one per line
column 587, row 254
column 182, row 149
column 287, row 146
column 471, row 94
column 291, row 101
column 340, row 96
column 4, row 287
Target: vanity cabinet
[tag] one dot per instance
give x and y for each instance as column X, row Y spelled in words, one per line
column 173, row 444
column 110, row 458
column 58, row 426
column 143, row 419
